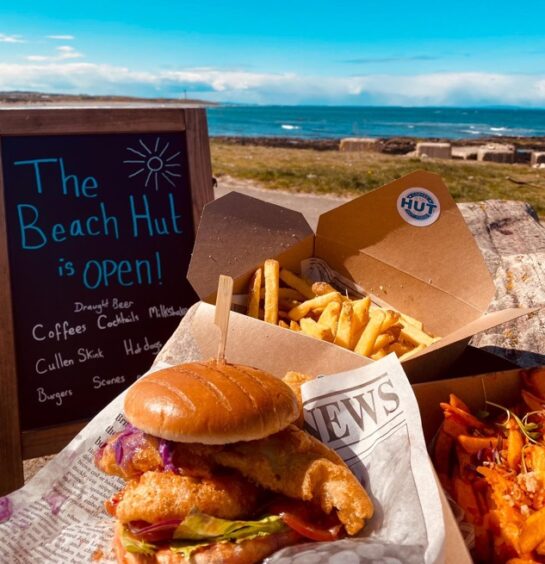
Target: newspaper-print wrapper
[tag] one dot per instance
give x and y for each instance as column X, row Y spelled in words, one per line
column 59, row 515
column 371, row 418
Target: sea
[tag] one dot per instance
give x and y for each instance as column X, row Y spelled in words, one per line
column 333, row 122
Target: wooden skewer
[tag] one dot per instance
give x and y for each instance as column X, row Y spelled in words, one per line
column 223, row 308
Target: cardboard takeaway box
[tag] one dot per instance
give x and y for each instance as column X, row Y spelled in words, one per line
column 502, row 388
column 405, row 243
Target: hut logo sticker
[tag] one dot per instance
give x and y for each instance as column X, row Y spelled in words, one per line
column 418, row 207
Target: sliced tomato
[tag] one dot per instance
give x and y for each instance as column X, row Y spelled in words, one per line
column 310, row 531
column 307, row 520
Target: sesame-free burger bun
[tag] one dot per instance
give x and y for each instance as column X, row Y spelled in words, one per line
column 210, row 403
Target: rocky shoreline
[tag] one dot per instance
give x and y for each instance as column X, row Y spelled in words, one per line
column 24, row 98
column 391, row 145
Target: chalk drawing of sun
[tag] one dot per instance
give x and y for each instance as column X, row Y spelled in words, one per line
column 155, row 164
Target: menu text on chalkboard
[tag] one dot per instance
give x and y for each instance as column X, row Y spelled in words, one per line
column 100, row 232
column 98, row 227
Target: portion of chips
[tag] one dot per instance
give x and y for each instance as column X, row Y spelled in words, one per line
column 321, row 311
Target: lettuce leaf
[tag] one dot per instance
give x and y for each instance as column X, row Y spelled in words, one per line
column 136, row 546
column 199, row 530
column 198, row 526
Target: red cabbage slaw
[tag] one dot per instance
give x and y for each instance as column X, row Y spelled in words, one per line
column 123, row 445
column 130, row 439
column 166, row 451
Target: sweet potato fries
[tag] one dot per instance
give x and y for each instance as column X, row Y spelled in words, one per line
column 493, row 465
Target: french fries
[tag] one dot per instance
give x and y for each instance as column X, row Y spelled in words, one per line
column 312, row 329
column 271, row 269
column 361, row 310
column 318, row 302
column 345, row 327
column 321, row 288
column 254, row 293
column 321, row 311
column 414, row 335
column 330, row 316
column 367, row 340
column 293, row 281
column 294, row 326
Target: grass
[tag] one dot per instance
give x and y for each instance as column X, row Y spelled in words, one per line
column 333, row 172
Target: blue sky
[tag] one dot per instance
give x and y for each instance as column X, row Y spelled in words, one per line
column 312, row 52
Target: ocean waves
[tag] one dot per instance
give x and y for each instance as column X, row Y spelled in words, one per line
column 332, row 122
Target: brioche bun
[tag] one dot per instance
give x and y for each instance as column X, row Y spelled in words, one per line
column 210, row 403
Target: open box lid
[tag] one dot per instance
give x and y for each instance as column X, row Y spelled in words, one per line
column 435, row 273
column 238, row 232
column 408, row 244
column 368, row 239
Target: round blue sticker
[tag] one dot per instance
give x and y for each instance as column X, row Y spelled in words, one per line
column 418, row 206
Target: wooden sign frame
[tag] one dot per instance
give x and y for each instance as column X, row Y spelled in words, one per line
column 39, row 121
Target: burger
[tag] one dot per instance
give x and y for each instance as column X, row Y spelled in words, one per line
column 216, row 471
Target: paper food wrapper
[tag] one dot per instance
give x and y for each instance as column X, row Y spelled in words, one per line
column 368, row 415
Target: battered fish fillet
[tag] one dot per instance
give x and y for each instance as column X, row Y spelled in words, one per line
column 141, row 454
column 296, row 464
column 144, row 456
column 158, row 496
column 291, row 462
column 295, row 380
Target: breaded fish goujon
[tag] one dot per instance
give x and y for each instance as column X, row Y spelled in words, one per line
column 216, row 472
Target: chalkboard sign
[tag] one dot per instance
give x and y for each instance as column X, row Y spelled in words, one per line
column 99, row 227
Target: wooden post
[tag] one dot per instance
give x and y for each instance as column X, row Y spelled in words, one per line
column 11, row 464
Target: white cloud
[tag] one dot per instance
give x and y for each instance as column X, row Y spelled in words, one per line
column 452, row 88
column 70, row 77
column 10, row 38
column 37, row 58
column 63, row 52
column 224, row 81
column 62, row 73
column 68, row 52
column 61, row 37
